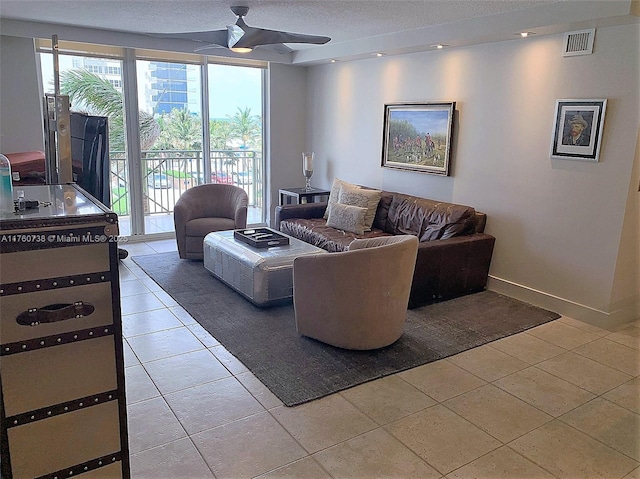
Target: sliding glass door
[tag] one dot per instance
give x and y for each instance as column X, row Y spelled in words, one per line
column 197, row 122
column 95, row 87
column 235, row 131
column 171, row 160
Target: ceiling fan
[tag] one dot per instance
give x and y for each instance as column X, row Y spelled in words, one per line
column 241, row 38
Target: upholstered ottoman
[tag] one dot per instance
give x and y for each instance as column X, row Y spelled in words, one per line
column 262, row 275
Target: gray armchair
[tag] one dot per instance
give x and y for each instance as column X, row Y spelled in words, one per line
column 206, row 208
column 356, row 299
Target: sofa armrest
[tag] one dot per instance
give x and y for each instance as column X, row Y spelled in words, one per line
column 305, row 210
column 481, row 222
column 451, row 267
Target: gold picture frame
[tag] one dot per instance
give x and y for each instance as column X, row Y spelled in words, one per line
column 417, row 137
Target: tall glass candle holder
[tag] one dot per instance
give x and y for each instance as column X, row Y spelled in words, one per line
column 307, row 168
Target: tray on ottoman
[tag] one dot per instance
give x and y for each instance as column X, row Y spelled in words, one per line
column 261, row 237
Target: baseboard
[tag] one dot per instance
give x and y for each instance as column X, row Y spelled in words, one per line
column 624, row 312
column 150, row 237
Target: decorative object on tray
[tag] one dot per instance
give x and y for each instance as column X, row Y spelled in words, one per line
column 260, row 237
column 307, row 168
column 577, row 130
column 417, row 137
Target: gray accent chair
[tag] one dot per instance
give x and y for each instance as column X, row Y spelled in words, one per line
column 206, row 208
column 356, row 299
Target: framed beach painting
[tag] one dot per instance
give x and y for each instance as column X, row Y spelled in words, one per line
column 417, row 137
column 577, row 129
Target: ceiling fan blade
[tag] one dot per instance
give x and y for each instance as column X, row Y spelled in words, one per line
column 276, row 47
column 262, row 36
column 217, row 37
column 234, row 35
column 207, row 47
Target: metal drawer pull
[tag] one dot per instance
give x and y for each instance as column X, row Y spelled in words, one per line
column 54, row 312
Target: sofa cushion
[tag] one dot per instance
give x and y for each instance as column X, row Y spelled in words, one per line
column 347, row 217
column 200, row 227
column 382, row 212
column 334, row 194
column 316, row 232
column 364, row 198
column 427, row 219
column 447, row 221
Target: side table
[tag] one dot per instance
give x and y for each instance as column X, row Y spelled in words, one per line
column 302, row 195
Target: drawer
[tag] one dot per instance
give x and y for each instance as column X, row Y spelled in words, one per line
column 64, row 441
column 52, row 263
column 97, row 295
column 44, row 377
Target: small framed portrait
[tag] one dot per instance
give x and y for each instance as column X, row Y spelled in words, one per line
column 577, row 130
column 417, row 137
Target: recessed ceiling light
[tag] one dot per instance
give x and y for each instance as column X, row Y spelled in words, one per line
column 439, row 46
column 525, row 34
column 378, row 54
column 333, row 60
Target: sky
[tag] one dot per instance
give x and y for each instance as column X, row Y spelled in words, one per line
column 230, row 86
column 434, row 122
column 234, row 87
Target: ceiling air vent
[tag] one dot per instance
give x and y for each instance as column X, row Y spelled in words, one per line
column 579, row 42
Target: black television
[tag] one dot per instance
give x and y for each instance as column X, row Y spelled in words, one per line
column 90, row 154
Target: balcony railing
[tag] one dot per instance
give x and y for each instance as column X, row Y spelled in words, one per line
column 167, row 174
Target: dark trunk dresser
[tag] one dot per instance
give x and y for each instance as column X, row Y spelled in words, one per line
column 62, row 391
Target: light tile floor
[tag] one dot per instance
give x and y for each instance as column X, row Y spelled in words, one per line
column 561, row 400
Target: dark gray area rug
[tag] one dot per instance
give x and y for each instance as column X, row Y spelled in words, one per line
column 298, row 369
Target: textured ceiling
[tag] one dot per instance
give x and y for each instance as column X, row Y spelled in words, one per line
column 358, row 28
column 341, row 20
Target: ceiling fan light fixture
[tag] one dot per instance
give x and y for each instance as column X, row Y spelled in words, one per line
column 242, row 38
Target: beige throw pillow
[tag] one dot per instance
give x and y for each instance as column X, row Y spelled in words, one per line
column 333, row 195
column 347, row 218
column 364, row 198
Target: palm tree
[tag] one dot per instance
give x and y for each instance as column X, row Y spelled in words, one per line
column 94, row 95
column 246, row 126
column 180, row 130
column 219, row 134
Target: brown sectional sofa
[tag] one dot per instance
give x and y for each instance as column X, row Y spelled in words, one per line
column 454, row 253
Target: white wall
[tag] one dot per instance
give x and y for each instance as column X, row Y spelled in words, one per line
column 286, row 121
column 627, row 279
column 21, row 122
column 558, row 223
